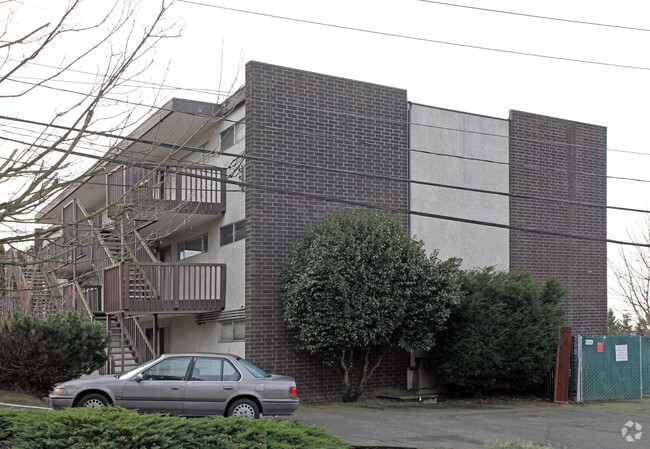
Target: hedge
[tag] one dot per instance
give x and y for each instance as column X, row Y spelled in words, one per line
column 113, row 428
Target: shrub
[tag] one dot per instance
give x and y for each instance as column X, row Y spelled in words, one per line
column 357, row 284
column 113, row 428
column 503, row 335
column 36, row 354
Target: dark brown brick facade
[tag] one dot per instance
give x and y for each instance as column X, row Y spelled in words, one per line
column 310, row 118
column 563, row 160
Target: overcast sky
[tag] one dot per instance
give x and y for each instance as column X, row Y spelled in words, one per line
column 214, row 42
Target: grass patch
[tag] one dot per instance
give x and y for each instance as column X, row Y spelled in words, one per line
column 15, row 397
column 113, row 428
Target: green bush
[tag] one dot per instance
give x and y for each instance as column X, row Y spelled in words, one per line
column 503, row 335
column 36, row 354
column 356, row 284
column 110, row 427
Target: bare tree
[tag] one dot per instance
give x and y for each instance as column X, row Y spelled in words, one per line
column 38, row 57
column 632, row 274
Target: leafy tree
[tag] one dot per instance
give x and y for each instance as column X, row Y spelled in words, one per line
column 356, row 285
column 623, row 326
column 36, row 354
column 504, row 334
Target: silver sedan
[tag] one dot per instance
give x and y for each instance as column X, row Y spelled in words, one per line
column 186, row 384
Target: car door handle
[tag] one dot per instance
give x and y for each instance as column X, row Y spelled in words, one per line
column 175, row 388
column 227, row 388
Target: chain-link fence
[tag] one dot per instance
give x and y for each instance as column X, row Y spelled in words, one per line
column 609, row 367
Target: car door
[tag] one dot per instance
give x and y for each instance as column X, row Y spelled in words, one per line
column 160, row 389
column 214, row 380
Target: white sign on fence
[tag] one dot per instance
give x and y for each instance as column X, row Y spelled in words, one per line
column 621, row 353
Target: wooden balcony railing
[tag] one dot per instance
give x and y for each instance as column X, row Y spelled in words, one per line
column 193, row 189
column 164, row 287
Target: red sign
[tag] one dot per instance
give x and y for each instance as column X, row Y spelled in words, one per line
column 600, row 347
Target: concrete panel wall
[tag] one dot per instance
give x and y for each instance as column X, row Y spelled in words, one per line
column 435, row 130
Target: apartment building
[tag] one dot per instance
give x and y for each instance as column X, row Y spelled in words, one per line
column 178, row 242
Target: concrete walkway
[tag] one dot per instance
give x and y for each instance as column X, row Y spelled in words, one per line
column 441, row 426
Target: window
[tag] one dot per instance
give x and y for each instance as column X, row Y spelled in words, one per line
column 193, row 247
column 213, row 369
column 232, row 232
column 232, row 330
column 232, row 135
column 169, row 369
column 254, row 370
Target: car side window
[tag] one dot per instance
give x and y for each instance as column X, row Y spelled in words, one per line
column 214, row 369
column 173, row 368
column 207, row 368
column 229, row 372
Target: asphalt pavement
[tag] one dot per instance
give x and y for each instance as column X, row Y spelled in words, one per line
column 441, row 426
column 605, row 425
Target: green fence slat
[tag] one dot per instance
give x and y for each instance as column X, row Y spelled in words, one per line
column 612, row 367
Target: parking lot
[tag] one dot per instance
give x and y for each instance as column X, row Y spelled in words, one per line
column 468, row 426
column 444, row 426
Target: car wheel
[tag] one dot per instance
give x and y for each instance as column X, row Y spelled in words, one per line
column 244, row 408
column 93, row 400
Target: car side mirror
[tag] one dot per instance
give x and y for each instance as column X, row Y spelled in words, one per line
column 138, row 377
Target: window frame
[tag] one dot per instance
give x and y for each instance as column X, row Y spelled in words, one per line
column 232, row 135
column 205, row 246
column 235, row 231
column 231, row 323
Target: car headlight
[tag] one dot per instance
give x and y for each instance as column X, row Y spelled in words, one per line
column 62, row 391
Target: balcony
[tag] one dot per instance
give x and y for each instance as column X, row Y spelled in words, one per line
column 186, row 189
column 164, row 287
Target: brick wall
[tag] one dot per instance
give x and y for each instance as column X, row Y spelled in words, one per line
column 576, row 155
column 311, row 118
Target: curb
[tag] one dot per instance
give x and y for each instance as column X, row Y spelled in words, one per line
column 4, row 404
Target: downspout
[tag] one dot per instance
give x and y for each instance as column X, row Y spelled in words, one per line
column 413, row 364
column 408, row 163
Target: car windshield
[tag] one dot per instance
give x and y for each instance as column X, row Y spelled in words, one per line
column 131, row 371
column 254, row 370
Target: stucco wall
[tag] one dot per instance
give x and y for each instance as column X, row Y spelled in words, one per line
column 185, row 335
column 183, row 332
column 435, row 130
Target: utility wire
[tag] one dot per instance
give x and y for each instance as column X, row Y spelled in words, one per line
column 436, row 153
column 535, row 16
column 372, row 206
column 347, row 172
column 384, row 120
column 416, row 38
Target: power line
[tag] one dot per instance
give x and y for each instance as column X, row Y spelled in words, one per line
column 535, row 16
column 365, row 117
column 347, row 172
column 529, row 166
column 468, row 158
column 368, row 205
column 141, row 82
column 416, row 38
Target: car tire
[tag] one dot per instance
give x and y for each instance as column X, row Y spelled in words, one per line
column 244, row 408
column 93, row 400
